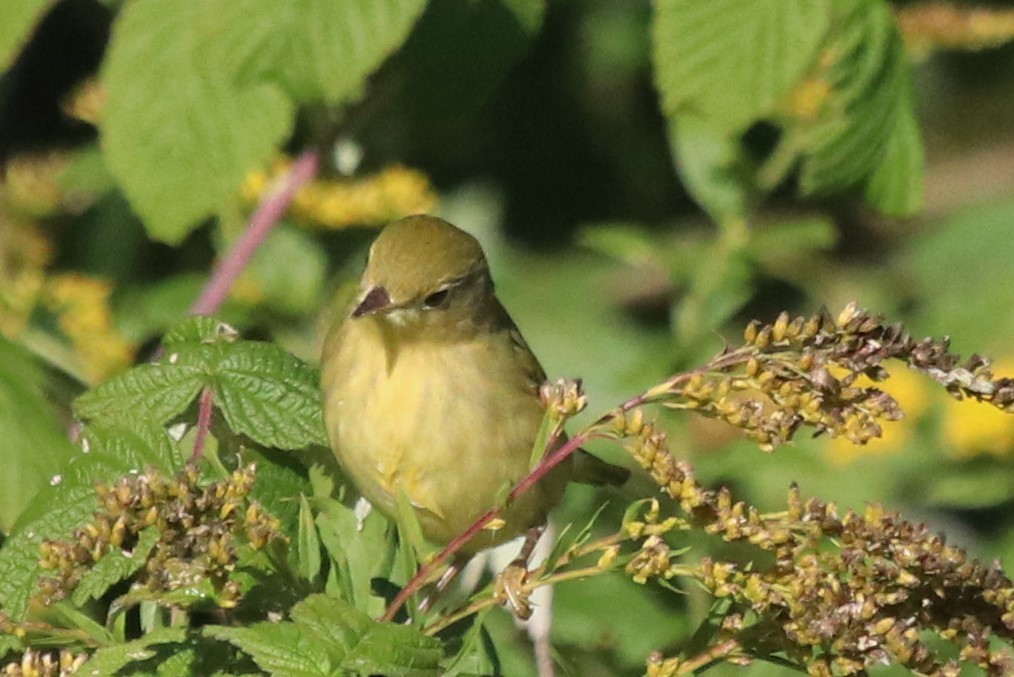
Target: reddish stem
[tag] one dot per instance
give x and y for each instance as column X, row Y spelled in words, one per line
column 269, row 212
column 203, row 422
column 548, row 463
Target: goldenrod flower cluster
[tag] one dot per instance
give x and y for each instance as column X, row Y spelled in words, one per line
column 45, row 664
column 81, row 304
column 336, row 203
column 24, row 253
column 839, row 593
column 935, row 25
column 200, row 529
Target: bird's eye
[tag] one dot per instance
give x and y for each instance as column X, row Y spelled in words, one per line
column 436, row 299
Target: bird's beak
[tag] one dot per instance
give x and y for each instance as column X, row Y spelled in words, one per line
column 376, row 299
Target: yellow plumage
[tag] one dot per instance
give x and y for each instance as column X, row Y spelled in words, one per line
column 430, row 390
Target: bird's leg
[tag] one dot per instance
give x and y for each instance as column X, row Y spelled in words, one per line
column 445, row 580
column 511, row 581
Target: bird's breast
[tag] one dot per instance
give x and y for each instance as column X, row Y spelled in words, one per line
column 450, row 425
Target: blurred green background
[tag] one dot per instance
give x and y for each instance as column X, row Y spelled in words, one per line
column 544, row 136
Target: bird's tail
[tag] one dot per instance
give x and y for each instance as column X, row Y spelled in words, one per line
column 589, row 469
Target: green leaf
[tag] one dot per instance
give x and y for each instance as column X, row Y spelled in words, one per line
column 32, row 445
column 199, row 329
column 269, row 395
column 20, row 19
column 870, row 98
column 711, row 166
column 133, row 444
column 181, row 150
column 262, row 391
column 283, row 649
column 307, row 542
column 897, row 186
column 313, row 36
column 360, row 551
column 111, row 659
column 155, row 392
column 368, row 647
column 229, row 74
column 54, row 513
column 114, row 567
column 732, row 61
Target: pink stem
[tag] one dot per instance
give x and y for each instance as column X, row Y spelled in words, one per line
column 203, row 422
column 269, row 212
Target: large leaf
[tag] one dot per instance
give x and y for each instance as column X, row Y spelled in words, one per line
column 867, row 130
column 32, row 445
column 228, row 74
column 732, row 61
column 262, row 391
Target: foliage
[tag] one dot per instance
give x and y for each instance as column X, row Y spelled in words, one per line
column 168, row 506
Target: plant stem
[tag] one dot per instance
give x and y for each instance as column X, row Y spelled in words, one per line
column 203, row 422
column 268, row 214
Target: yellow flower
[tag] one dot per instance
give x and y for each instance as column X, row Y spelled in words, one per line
column 912, row 391
column 336, row 203
column 971, row 428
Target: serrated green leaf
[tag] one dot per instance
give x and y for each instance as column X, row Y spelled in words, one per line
column 111, row 659
column 199, row 329
column 283, row 649
column 54, row 513
column 388, row 649
column 269, row 395
column 367, row 646
column 155, row 392
column 19, row 20
column 732, row 61
column 230, row 72
column 33, row 445
column 114, row 567
column 131, row 444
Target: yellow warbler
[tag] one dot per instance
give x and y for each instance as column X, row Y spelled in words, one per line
column 430, row 390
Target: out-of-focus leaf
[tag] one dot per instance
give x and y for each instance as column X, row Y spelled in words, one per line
column 975, row 485
column 307, row 543
column 897, row 186
column 962, row 269
column 229, row 74
column 19, row 20
column 289, row 269
column 731, row 61
column 32, row 444
column 711, row 165
column 488, row 38
column 867, row 130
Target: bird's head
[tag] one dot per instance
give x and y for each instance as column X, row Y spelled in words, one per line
column 424, row 272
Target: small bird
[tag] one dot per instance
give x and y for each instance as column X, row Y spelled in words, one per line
column 430, row 390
